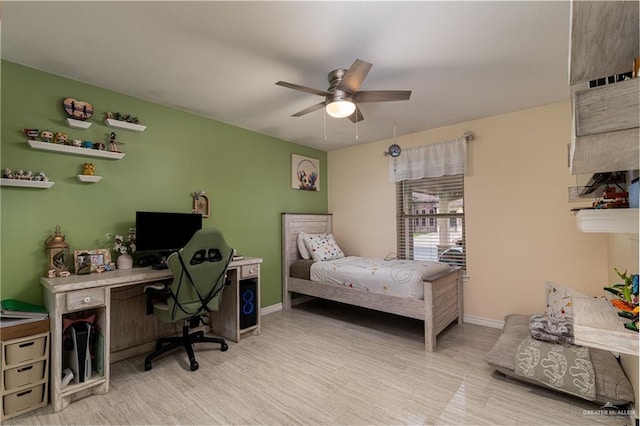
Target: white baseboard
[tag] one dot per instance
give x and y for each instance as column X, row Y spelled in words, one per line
column 483, row 321
column 270, row 309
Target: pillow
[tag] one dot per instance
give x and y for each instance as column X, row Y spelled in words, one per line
column 612, row 385
column 302, row 248
column 323, row 248
column 559, row 300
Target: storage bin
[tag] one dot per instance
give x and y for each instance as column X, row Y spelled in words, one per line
column 24, row 399
column 20, row 376
column 25, row 351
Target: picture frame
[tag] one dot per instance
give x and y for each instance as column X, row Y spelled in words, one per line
column 90, row 260
column 201, row 203
column 305, row 173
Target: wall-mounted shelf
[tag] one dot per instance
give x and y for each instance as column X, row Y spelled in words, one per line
column 67, row 149
column 78, row 124
column 124, row 125
column 596, row 324
column 623, row 221
column 26, row 183
column 87, row 178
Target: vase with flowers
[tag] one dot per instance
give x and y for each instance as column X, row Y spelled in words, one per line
column 124, row 246
column 626, row 298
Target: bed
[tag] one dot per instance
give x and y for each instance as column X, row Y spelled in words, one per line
column 441, row 304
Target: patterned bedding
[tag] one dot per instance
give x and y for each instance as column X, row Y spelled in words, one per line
column 401, row 278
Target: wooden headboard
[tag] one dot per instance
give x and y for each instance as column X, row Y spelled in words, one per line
column 292, row 225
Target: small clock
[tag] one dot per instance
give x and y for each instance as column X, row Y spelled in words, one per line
column 394, row 150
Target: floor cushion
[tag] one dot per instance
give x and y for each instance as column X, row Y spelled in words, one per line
column 612, row 385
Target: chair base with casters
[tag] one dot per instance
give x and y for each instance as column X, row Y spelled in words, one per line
column 199, row 277
column 186, row 341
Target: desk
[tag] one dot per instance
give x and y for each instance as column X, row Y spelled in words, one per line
column 93, row 292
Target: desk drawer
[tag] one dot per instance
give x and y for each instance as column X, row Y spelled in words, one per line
column 20, row 376
column 248, row 271
column 83, row 299
column 25, row 350
column 26, row 399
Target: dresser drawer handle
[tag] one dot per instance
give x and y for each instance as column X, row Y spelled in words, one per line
column 87, row 299
column 25, row 344
column 27, row 368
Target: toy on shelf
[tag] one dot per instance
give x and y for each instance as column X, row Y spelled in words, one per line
column 127, row 118
column 31, row 133
column 46, row 136
column 20, row 174
column 60, row 138
column 88, row 169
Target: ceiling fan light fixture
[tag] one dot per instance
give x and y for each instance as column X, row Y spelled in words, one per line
column 341, row 108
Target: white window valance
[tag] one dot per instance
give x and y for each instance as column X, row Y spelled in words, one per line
column 433, row 160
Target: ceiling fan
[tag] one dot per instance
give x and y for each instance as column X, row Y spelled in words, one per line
column 342, row 97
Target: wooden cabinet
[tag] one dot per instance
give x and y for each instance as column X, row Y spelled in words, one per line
column 25, row 374
column 226, row 321
column 604, row 42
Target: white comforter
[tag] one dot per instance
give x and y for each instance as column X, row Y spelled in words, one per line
column 402, row 278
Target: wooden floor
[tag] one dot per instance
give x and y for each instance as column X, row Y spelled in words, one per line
column 325, row 363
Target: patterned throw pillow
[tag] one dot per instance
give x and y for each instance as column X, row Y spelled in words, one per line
column 559, row 300
column 302, row 248
column 323, row 248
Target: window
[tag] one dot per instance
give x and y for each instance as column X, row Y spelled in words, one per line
column 418, row 202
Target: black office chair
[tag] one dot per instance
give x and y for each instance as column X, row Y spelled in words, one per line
column 199, row 277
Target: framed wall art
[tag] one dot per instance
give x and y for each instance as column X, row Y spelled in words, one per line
column 201, row 203
column 305, row 173
column 87, row 261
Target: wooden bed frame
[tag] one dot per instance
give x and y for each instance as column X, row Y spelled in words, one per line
column 442, row 304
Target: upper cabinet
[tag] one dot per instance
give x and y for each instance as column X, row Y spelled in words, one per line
column 604, row 42
column 604, row 39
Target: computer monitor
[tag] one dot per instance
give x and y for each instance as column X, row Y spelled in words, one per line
column 163, row 233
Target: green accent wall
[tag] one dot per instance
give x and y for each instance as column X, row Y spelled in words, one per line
column 246, row 175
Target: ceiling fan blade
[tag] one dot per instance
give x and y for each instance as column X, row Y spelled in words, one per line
column 310, row 109
column 303, row 88
column 354, row 76
column 356, row 116
column 382, row 95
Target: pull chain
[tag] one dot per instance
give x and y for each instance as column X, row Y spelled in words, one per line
column 324, row 123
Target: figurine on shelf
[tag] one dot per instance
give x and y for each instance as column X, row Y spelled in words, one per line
column 88, row 169
column 77, row 143
column 113, row 144
column 117, row 116
column 41, row 177
column 7, row 173
column 99, row 146
column 87, row 144
column 46, row 136
column 61, row 138
column 31, row 133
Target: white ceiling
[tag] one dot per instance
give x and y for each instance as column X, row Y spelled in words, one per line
column 462, row 60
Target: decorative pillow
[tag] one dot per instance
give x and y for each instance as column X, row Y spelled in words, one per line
column 302, row 248
column 559, row 303
column 323, row 248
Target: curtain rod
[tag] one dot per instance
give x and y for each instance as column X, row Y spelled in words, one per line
column 467, row 136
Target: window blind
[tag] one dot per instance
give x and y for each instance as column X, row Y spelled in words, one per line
column 430, row 219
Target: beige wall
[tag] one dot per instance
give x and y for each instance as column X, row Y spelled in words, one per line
column 623, row 254
column 520, row 232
